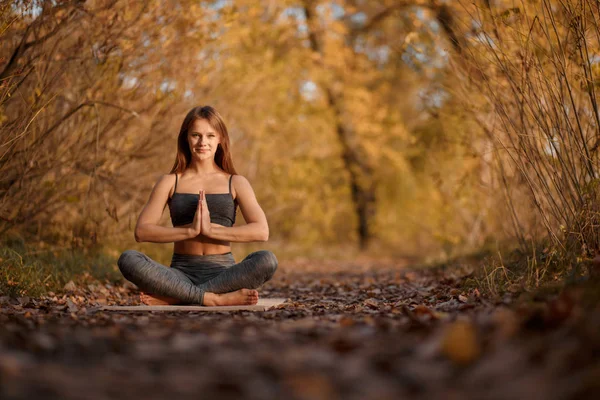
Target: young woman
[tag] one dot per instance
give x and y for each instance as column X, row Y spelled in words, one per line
column 202, row 192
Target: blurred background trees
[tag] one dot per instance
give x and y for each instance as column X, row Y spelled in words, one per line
column 400, row 128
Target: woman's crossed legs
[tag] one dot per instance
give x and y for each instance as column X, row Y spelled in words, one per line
column 233, row 285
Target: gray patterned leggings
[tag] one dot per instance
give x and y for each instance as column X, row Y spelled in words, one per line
column 190, row 276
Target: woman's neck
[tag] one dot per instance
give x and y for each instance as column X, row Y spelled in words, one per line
column 203, row 167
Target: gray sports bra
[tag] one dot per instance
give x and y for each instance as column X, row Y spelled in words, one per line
column 222, row 207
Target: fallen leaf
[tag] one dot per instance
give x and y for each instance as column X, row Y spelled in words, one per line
column 373, row 303
column 71, row 306
column 24, row 301
column 423, row 310
column 70, row 286
column 460, row 342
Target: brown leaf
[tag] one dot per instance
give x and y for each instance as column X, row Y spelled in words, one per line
column 24, row 301
column 371, row 302
column 423, row 310
column 72, row 307
column 460, row 342
column 70, row 286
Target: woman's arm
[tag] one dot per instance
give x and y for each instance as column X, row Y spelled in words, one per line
column 147, row 228
column 256, row 228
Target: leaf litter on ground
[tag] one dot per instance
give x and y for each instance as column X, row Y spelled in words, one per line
column 368, row 331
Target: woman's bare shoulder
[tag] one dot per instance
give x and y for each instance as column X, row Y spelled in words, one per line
column 239, row 180
column 166, row 179
column 240, row 186
column 165, row 182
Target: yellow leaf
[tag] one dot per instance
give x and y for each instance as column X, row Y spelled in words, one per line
column 460, row 342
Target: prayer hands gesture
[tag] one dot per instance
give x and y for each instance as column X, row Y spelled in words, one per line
column 205, row 216
column 197, row 223
column 201, row 223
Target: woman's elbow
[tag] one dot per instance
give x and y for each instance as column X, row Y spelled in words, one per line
column 264, row 234
column 138, row 234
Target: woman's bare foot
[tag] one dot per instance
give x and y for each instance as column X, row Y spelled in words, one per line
column 155, row 300
column 242, row 297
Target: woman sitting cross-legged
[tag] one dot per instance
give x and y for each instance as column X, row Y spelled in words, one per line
column 202, row 192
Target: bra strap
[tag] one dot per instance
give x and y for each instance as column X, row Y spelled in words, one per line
column 230, row 176
column 175, row 188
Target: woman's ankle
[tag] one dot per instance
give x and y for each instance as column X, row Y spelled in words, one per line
column 210, row 299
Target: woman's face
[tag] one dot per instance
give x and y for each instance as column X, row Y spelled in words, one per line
column 203, row 140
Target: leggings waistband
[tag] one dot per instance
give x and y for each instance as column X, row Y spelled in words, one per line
column 197, row 260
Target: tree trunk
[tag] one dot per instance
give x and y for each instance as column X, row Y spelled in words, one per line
column 362, row 184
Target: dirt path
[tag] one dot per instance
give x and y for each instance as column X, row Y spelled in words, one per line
column 375, row 332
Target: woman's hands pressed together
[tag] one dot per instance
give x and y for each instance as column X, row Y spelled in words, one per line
column 196, row 227
column 205, row 216
column 201, row 224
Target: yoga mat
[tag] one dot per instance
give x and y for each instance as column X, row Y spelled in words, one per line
column 262, row 305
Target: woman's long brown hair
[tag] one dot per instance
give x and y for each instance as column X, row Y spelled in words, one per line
column 184, row 154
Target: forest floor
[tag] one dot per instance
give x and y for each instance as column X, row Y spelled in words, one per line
column 347, row 331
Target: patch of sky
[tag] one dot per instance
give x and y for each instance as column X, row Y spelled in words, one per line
column 298, row 14
column 337, row 11
column 32, row 10
column 360, row 45
column 551, row 146
column 423, row 17
column 219, row 4
column 129, row 82
column 380, row 54
column 595, row 59
column 188, row 94
column 359, row 18
column 485, row 38
column 408, row 60
column 419, row 54
column 167, row 85
column 431, row 97
column 146, row 42
column 308, row 90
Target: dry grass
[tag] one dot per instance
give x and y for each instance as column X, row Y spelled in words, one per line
column 26, row 270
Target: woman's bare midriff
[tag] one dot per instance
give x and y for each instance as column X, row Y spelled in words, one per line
column 201, row 246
